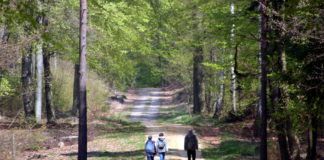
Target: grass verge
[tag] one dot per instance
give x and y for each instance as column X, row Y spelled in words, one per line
column 122, row 139
column 180, row 115
column 231, row 148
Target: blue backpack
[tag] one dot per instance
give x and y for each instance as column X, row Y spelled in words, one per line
column 149, row 147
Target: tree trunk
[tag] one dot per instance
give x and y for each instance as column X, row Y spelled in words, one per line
column 293, row 141
column 197, row 68
column 26, row 81
column 197, row 81
column 76, row 90
column 220, row 95
column 282, row 141
column 2, row 32
column 39, row 72
column 82, row 140
column 258, row 106
column 233, row 78
column 312, row 139
column 48, row 89
column 280, row 123
column 263, row 131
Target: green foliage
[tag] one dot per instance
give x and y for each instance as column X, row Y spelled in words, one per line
column 5, row 88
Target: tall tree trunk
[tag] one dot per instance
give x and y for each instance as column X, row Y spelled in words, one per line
column 197, row 80
column 258, row 106
column 280, row 123
column 292, row 139
column 220, row 95
column 82, row 142
column 197, row 68
column 26, row 81
column 39, row 72
column 2, row 33
column 312, row 139
column 48, row 89
column 264, row 45
column 232, row 66
column 76, row 90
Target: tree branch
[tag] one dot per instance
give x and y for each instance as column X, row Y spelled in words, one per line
column 235, row 67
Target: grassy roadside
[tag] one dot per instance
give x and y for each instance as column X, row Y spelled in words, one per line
column 231, row 148
column 122, row 139
column 179, row 114
column 118, row 139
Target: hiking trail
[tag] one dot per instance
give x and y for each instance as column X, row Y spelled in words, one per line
column 146, row 109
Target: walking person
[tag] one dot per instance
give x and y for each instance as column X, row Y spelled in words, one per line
column 191, row 145
column 150, row 148
column 161, row 146
column 154, row 150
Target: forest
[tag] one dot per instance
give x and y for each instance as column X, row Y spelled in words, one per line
column 246, row 75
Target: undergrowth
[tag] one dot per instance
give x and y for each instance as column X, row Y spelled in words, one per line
column 63, row 82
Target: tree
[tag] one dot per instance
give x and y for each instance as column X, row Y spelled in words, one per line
column 76, row 90
column 232, row 66
column 197, row 63
column 26, row 81
column 39, row 81
column 82, row 145
column 264, row 45
column 39, row 68
column 48, row 88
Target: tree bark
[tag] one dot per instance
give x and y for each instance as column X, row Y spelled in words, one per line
column 197, row 81
column 292, row 139
column 220, row 95
column 39, row 72
column 264, row 45
column 233, row 78
column 280, row 123
column 26, row 81
column 76, row 90
column 312, row 139
column 82, row 140
column 50, row 113
column 197, row 68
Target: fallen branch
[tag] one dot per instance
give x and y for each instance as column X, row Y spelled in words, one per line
column 14, row 118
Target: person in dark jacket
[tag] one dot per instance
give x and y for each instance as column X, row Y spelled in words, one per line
column 191, row 145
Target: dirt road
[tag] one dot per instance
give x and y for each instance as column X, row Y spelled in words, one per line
column 146, row 110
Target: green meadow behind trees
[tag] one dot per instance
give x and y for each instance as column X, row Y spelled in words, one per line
column 213, row 48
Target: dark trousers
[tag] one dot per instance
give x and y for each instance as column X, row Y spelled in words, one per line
column 191, row 153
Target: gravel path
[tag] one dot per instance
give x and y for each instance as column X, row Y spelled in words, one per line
column 146, row 110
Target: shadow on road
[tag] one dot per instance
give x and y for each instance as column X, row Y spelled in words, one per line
column 121, row 154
